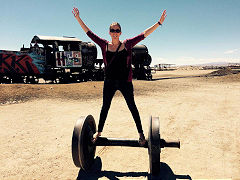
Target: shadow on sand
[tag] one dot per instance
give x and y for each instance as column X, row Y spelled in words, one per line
column 96, row 173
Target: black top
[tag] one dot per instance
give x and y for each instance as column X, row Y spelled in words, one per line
column 117, row 69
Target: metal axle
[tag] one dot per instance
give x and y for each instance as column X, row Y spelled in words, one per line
column 103, row 141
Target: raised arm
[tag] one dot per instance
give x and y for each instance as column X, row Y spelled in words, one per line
column 148, row 31
column 82, row 24
column 101, row 42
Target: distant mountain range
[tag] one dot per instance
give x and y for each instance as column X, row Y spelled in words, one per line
column 216, row 64
column 204, row 64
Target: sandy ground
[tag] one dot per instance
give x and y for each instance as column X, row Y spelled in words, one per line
column 202, row 112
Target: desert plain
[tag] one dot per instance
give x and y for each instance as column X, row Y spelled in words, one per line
column 200, row 110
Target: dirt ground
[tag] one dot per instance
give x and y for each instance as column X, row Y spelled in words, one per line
column 37, row 121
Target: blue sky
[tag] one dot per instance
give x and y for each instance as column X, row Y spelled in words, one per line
column 194, row 31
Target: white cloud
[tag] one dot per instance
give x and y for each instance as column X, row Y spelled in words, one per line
column 232, row 51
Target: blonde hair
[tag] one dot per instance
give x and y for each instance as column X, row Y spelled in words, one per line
column 114, row 24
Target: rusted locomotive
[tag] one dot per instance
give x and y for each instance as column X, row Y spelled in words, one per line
column 62, row 60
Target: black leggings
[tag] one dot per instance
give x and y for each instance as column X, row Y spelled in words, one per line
column 126, row 88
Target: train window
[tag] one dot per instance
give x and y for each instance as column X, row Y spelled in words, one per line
column 61, row 48
column 40, row 45
column 37, row 48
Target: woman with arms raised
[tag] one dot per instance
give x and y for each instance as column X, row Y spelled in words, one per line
column 118, row 70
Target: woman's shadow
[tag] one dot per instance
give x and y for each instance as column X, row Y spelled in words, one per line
column 95, row 173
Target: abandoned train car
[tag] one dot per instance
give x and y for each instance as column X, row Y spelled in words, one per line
column 63, row 60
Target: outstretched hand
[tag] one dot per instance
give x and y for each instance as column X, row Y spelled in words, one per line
column 164, row 15
column 75, row 12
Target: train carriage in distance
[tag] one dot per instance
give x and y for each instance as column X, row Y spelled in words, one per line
column 62, row 60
